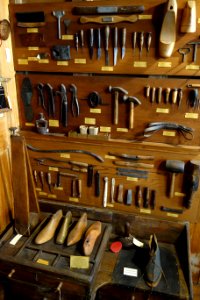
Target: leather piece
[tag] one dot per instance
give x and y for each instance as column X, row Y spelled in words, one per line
column 26, row 95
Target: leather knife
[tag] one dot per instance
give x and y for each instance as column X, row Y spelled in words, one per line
column 107, row 34
column 98, row 43
column 64, row 105
column 123, row 42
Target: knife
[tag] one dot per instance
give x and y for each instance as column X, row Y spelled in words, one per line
column 51, row 101
column 91, row 43
column 92, row 10
column 107, row 34
column 123, row 42
column 115, row 45
column 98, row 43
column 134, row 41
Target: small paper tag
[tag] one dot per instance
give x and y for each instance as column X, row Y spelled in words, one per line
column 90, row 121
column 79, row 262
column 95, row 110
column 130, row 272
column 15, row 239
column 43, row 262
column 73, row 199
column 122, row 130
column 163, row 64
column 105, row 129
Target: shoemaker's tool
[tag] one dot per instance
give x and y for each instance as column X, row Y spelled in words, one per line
column 184, row 51
column 41, row 176
column 174, row 95
column 193, row 98
column 153, row 199
column 134, row 37
column 30, row 19
column 76, row 41
column 51, row 100
column 129, row 197
column 146, row 197
column 26, row 95
column 91, row 42
column 99, row 10
column 148, row 41
column 35, row 177
column 138, row 197
column 115, row 45
column 123, row 42
column 97, row 183
column 133, row 164
column 159, row 95
column 171, row 210
column 188, row 20
column 112, row 191
column 67, row 23
column 167, row 94
column 192, row 173
column 82, row 38
column 131, row 157
column 132, row 172
column 195, row 45
column 41, row 101
column 64, row 105
column 167, row 37
column 153, row 94
column 179, row 97
column 105, row 192
column 96, row 156
column 58, row 14
column 147, row 91
column 108, row 19
column 98, row 43
column 64, row 229
column 133, row 102
column 74, row 101
column 141, row 43
column 174, row 167
column 107, row 35
column 120, row 192
column 90, row 172
column 117, row 90
column 49, row 181
column 41, row 124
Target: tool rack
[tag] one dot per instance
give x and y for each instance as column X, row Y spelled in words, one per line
column 145, row 76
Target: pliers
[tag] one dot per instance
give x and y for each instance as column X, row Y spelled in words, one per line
column 74, row 103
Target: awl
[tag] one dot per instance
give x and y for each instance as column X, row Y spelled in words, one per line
column 115, row 45
column 91, row 43
column 107, row 34
column 98, row 43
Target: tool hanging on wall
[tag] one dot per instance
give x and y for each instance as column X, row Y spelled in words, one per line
column 117, row 91
column 58, row 14
column 192, row 173
column 108, row 19
column 96, row 10
column 174, row 167
column 133, row 102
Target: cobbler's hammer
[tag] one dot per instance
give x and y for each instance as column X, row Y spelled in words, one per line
column 174, row 166
column 117, row 90
column 133, row 102
column 195, row 45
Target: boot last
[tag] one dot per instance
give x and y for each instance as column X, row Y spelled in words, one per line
column 153, row 270
column 47, row 233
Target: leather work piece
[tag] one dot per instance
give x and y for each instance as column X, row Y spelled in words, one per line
column 26, row 95
column 60, row 52
column 137, row 258
column 47, row 233
column 32, row 39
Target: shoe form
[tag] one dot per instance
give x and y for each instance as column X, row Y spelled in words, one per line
column 153, row 270
column 47, row 233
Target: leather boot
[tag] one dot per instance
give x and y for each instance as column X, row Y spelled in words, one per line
column 153, row 270
column 47, row 233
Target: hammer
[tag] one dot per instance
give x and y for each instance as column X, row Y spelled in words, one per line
column 133, row 102
column 174, row 166
column 116, row 91
column 195, row 45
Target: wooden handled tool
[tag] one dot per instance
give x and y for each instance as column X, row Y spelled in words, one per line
column 174, row 166
column 108, row 19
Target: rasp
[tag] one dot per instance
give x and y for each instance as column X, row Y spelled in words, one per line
column 115, row 45
column 93, row 10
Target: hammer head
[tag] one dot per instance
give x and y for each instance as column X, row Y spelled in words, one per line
column 117, row 89
column 135, row 100
column 175, row 166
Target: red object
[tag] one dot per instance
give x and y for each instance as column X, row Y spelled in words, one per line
column 116, row 247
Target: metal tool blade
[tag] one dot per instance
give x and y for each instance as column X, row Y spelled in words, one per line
column 123, row 42
column 115, row 45
column 98, row 43
column 107, row 34
column 91, row 44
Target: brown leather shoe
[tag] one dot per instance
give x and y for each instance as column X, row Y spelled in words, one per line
column 153, row 271
column 48, row 231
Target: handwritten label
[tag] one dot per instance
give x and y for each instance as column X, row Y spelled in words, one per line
column 169, row 133
column 62, row 63
column 131, row 178
column 73, row 199
column 33, row 48
column 80, row 61
column 79, row 262
column 106, row 68
column 122, row 130
column 191, row 116
column 29, row 124
column 43, row 262
column 130, row 272
column 95, row 110
column 53, row 123
column 144, row 17
column 53, row 169
column 22, row 61
column 172, row 215
column 145, row 211
column 52, row 196
column 162, row 110
column 105, row 129
column 32, row 58
column 140, row 64
column 32, row 30
column 65, row 155
column 68, row 37
column 192, row 67
column 90, row 121
column 43, row 61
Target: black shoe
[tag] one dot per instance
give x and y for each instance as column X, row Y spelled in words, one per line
column 153, row 270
